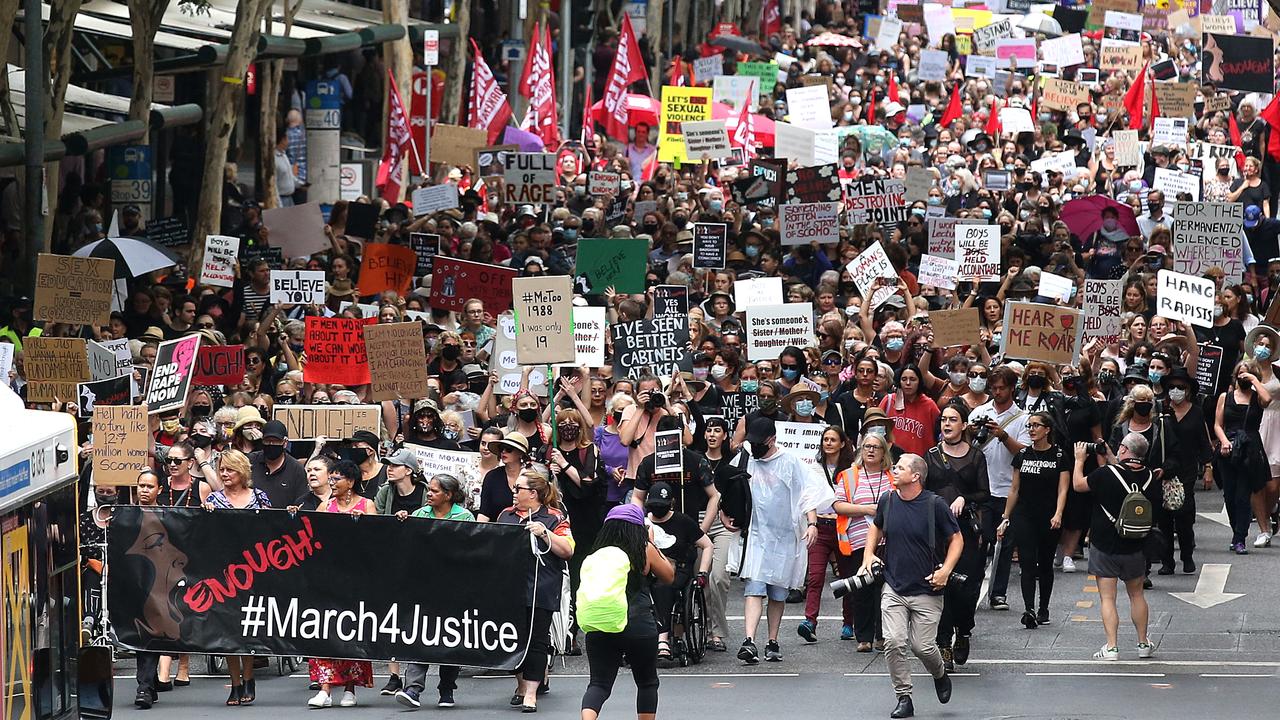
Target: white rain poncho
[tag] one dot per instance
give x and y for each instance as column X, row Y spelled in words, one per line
column 783, row 489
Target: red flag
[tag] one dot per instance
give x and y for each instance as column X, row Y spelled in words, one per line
column 893, row 86
column 588, row 125
column 772, row 18
column 396, row 153
column 649, row 167
column 628, row 67
column 541, row 119
column 489, row 108
column 1135, row 100
column 526, row 88
column 871, row 107
column 744, row 134
column 955, row 110
column 993, row 122
column 1271, row 114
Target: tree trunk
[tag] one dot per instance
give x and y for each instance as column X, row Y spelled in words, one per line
column 8, row 117
column 272, row 79
column 654, row 31
column 224, row 102
column 753, row 18
column 145, row 16
column 399, row 57
column 451, row 108
column 57, row 44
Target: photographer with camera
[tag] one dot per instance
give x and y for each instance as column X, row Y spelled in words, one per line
column 913, row 521
column 640, row 422
column 999, row 430
column 1126, row 493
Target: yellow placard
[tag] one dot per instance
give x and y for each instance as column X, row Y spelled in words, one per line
column 678, row 105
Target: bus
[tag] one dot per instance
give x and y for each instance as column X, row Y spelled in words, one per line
column 40, row 654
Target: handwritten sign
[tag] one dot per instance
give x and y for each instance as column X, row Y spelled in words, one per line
column 770, row 328
column 54, row 366
column 297, row 287
column 1064, row 95
column 387, row 267
column 121, row 444
column 869, row 268
column 659, row 345
column 754, row 292
column 308, row 422
column 543, row 312
column 938, row 271
column 802, row 440
column 1186, row 298
column 1101, row 304
column 530, row 179
column 619, row 262
column 1041, row 332
column 397, row 361
column 1207, row 235
column 803, row 223
column 74, row 290
column 978, row 252
column 219, row 265
column 880, row 201
column 336, row 351
column 1119, row 55
column 602, row 184
column 1177, row 100
column 171, row 378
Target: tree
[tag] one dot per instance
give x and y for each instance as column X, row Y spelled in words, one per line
column 271, row 78
column 654, row 33
column 451, row 107
column 8, row 118
column 145, row 16
column 399, row 56
column 57, row 45
column 225, row 98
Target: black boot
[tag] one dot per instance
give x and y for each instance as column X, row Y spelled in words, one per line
column 143, row 700
column 904, row 709
column 942, row 686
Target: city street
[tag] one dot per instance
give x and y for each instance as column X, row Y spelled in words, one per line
column 1209, row 661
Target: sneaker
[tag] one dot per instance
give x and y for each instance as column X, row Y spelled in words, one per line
column 1239, row 549
column 1147, row 584
column 1042, row 617
column 446, row 699
column 948, row 659
column 1263, row 540
column 748, row 652
column 999, row 603
column 1068, row 565
column 878, row 645
column 321, row 699
column 1146, row 650
column 1107, row 653
column 1057, row 562
column 809, row 631
column 348, row 699
column 1029, row 620
column 846, row 632
column 772, row 652
column 409, row 698
column 1165, row 569
column 960, row 651
column 393, row 685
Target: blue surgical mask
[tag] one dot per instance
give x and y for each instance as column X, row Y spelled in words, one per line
column 822, row 396
column 1155, row 375
column 918, row 212
column 716, row 206
column 790, row 374
column 934, row 200
column 1262, row 352
column 570, row 234
column 750, row 386
column 986, row 214
column 877, row 430
column 804, row 408
column 752, row 251
column 766, row 222
column 894, row 344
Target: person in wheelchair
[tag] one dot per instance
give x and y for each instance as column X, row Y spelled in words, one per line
column 684, row 543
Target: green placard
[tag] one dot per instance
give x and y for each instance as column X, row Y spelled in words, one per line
column 619, row 262
column 766, row 71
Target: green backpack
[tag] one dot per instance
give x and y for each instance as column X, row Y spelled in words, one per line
column 1135, row 520
column 602, row 592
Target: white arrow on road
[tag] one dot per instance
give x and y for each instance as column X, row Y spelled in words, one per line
column 1209, row 587
column 1219, row 517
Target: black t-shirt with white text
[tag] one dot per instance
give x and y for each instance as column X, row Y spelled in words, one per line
column 1039, row 472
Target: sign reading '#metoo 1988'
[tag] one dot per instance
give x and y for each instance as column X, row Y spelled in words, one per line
column 530, row 179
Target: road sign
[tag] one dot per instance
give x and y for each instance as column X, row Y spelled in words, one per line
column 131, row 177
column 431, row 47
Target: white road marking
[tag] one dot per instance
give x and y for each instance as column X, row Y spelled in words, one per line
column 1094, row 674
column 1210, row 587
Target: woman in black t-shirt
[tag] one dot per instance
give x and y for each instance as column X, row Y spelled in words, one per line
column 1037, row 498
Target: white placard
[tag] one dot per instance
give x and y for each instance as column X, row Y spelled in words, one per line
column 1015, row 120
column 770, row 328
column 890, row 29
column 933, row 65
column 985, row 37
column 297, row 287
column 1128, row 151
column 434, row 198
column 939, row 272
column 809, row 107
column 1056, row 286
column 1101, row 304
column 1170, row 131
column 980, row 66
column 706, row 68
column 803, row 440
column 465, row 466
column 733, row 89
column 1173, row 182
column 6, row 361
column 602, row 183
column 1063, row 51
column 1125, row 21
column 939, row 21
column 803, row 223
column 706, row 138
column 793, row 143
column 1185, row 297
column 756, row 292
column 219, row 267
column 350, row 181
column 590, row 327
column 978, row 252
column 867, row 269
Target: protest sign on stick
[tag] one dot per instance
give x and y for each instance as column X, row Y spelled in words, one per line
column 171, row 377
column 54, row 366
column 397, row 361
column 660, row 344
column 73, row 290
column 770, row 328
column 121, row 442
column 544, row 319
column 308, row 422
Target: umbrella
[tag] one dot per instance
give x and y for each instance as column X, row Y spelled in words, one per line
column 874, row 138
column 742, row 45
column 640, row 109
column 830, row 39
column 527, row 141
column 1040, row 23
column 1084, row 215
column 134, row 257
column 763, row 125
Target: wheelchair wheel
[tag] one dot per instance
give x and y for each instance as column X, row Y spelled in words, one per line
column 695, row 627
column 217, row 664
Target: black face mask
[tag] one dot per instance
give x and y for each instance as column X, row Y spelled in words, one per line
column 1142, row 408
column 658, row 509
column 451, row 352
column 588, row 227
column 1036, row 382
column 272, row 452
column 527, row 414
column 759, row 450
column 1243, row 383
column 768, row 406
column 201, row 441
column 650, row 228
column 106, row 499
column 617, row 418
column 201, row 411
column 680, row 222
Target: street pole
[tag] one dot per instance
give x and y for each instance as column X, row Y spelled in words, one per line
column 33, row 210
column 566, row 67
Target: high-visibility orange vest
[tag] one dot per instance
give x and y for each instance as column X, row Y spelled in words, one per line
column 844, row 521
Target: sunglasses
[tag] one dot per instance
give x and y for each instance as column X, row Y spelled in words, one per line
column 175, row 460
column 518, row 488
column 205, row 326
column 976, row 374
column 253, row 360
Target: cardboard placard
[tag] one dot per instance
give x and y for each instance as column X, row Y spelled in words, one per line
column 1119, row 55
column 617, row 262
column 543, row 313
column 955, row 327
column 804, row 223
column 603, row 184
column 1101, row 304
column 434, row 198
column 387, row 267
column 171, row 377
column 1064, row 95
column 454, row 282
column 308, row 422
column 679, row 105
column 978, row 252
column 770, row 328
column 297, row 287
column 219, row 264
column 121, row 444
column 1033, row 331
column 297, row 230
column 1177, row 99
column 425, row 247
column 456, row 145
column 397, row 361
column 938, row 271
column 709, row 245
column 74, row 290
column 492, row 161
column 1207, row 235
column 220, row 365
column 706, row 140
column 1185, row 297
column 53, row 367
column 658, row 345
column 336, row 351
column 530, row 179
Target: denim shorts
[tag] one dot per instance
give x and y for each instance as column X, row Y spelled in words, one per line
column 757, row 588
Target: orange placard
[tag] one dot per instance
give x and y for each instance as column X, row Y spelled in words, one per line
column 387, row 267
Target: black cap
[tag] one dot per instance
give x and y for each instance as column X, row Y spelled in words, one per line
column 365, row 436
column 275, row 429
column 660, row 492
column 760, row 429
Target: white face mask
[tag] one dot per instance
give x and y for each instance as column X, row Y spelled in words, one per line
column 978, row 384
column 719, row 371
column 958, row 378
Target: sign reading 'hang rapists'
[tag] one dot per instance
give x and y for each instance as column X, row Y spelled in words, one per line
column 301, row 584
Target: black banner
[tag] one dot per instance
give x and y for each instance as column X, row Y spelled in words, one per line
column 1239, row 62
column 814, row 184
column 308, row 584
column 1209, row 368
column 670, row 300
column 709, row 245
column 426, row 246
column 660, row 346
column 112, row 391
column 735, row 405
column 169, row 232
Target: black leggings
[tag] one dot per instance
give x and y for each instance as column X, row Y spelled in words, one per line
column 1037, row 544
column 534, row 667
column 604, row 654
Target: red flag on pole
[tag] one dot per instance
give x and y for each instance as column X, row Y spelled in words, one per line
column 955, row 110
column 526, row 88
column 1135, row 100
column 1271, row 114
column 628, row 67
column 772, row 17
column 993, row 122
column 893, row 87
column 539, row 85
column 871, row 107
column 396, row 153
column 489, row 108
column 588, row 125
column 744, row 135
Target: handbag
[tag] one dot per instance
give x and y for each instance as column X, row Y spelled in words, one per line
column 1172, row 492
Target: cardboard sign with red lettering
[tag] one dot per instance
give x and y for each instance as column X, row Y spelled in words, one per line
column 454, row 282
column 1033, row 331
column 335, row 351
column 387, row 267
column 220, row 365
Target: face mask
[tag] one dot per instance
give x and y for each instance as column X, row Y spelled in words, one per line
column 1154, row 375
column 804, row 408
column 996, row 338
column 848, row 117
column 170, row 426
column 1141, row 361
column 296, row 347
column 1024, row 214
column 1106, row 376
column 1177, row 395
column 106, row 499
column 790, row 374
column 680, row 222
column 716, row 206
column 918, row 212
column 753, row 251
column 1219, row 311
column 527, row 414
column 201, row 411
column 569, row 432
column 1142, row 408
column 768, row 406
column 1110, row 224
column 978, row 384
column 700, row 373
column 1243, row 383
column 272, row 452
column 201, row 441
column 750, row 386
column 426, row 426
column 650, row 228
column 451, row 352
column 986, row 214
column 449, row 434
column 958, row 378
column 894, row 344
column 766, row 222
column 588, row 225
column 934, row 200
column 579, row 190
column 719, row 371
column 570, row 234
column 759, row 450
column 1262, row 352
column 878, row 430
column 1036, row 382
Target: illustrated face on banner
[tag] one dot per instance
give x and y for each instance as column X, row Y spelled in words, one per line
column 162, row 615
